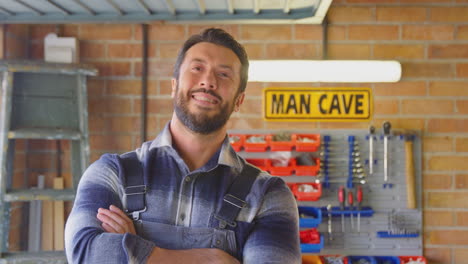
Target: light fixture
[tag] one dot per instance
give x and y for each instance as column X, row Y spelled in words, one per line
column 334, row 71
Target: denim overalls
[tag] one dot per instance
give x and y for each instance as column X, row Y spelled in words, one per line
column 133, row 176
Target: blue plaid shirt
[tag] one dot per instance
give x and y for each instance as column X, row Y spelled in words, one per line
column 267, row 229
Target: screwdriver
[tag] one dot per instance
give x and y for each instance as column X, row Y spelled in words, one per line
column 371, row 150
column 341, row 198
column 386, row 127
column 329, row 208
column 350, row 202
column 359, row 200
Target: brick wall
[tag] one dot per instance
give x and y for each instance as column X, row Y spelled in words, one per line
column 429, row 38
column 14, row 42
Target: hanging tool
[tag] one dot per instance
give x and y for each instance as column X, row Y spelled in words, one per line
column 359, row 201
column 324, row 162
column 350, row 202
column 341, row 199
column 386, row 127
column 371, row 150
column 329, row 208
column 351, row 161
column 410, row 186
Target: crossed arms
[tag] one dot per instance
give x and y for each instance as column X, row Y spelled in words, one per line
column 115, row 221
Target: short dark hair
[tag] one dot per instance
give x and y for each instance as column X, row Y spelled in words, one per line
column 219, row 37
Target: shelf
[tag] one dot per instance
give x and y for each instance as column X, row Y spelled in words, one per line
column 44, row 133
column 43, row 194
column 277, row 154
column 33, row 257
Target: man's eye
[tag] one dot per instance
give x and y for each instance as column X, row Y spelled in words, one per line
column 224, row 75
column 197, row 68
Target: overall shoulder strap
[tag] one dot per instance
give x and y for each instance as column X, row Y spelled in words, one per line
column 234, row 200
column 131, row 175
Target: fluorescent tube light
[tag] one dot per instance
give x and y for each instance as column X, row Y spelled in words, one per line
column 334, row 71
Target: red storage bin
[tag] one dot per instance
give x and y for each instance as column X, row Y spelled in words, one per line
column 278, row 170
column 263, row 164
column 408, row 259
column 237, row 141
column 307, row 142
column 281, row 145
column 309, row 236
column 257, row 146
column 308, row 170
column 310, row 191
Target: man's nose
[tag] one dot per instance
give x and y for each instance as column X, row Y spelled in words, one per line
column 208, row 80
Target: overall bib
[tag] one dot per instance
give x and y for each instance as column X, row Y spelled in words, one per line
column 133, row 175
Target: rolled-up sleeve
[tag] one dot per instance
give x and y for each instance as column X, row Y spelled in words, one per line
column 275, row 234
column 85, row 240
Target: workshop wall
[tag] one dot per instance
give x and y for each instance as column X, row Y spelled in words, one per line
column 429, row 38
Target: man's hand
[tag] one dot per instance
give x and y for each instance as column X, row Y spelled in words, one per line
column 115, row 221
column 191, row 256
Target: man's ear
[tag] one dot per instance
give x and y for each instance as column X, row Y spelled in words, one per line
column 174, row 87
column 239, row 101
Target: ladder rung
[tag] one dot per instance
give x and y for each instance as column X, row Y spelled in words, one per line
column 45, row 133
column 33, row 257
column 39, row 194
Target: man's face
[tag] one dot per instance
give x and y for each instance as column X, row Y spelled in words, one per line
column 206, row 91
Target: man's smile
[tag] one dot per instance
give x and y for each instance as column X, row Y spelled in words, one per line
column 205, row 97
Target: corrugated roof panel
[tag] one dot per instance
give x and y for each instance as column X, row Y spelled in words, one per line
column 185, row 5
column 71, row 6
column 243, row 4
column 128, row 6
column 297, row 4
column 216, row 5
column 14, row 7
column 276, row 4
column 41, row 5
column 98, row 6
column 156, row 5
column 207, row 11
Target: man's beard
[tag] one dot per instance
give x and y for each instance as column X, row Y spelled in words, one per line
column 201, row 123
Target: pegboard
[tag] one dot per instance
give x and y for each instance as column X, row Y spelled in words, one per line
column 384, row 204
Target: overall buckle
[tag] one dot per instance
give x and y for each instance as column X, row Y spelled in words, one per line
column 135, row 215
column 223, row 223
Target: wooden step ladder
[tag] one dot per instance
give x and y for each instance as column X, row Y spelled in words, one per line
column 40, row 101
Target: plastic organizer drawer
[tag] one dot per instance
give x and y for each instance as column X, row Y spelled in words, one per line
column 412, row 259
column 307, row 191
column 255, row 143
column 281, row 168
column 387, row 260
column 361, row 259
column 307, row 142
column 263, row 164
column 309, row 216
column 312, row 248
column 237, row 141
column 312, row 259
column 281, row 142
column 307, row 165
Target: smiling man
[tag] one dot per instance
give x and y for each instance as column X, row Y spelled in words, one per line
column 186, row 196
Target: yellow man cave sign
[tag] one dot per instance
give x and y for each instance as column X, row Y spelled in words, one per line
column 321, row 104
